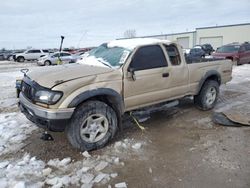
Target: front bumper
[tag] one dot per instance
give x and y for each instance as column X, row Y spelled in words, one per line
column 51, row 119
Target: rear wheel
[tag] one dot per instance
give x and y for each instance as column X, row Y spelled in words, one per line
column 93, row 124
column 20, row 59
column 208, row 95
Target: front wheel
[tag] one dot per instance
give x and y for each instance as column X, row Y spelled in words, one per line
column 93, row 124
column 47, row 63
column 208, row 95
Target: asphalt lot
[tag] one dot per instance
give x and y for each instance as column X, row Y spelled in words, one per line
column 181, row 146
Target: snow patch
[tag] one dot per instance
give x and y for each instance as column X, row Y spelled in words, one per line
column 14, row 129
column 133, row 43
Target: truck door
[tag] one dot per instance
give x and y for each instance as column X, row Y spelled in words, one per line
column 146, row 77
column 179, row 73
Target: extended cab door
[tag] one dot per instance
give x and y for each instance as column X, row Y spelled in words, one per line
column 146, row 77
column 178, row 73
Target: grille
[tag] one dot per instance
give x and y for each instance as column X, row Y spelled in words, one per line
column 27, row 90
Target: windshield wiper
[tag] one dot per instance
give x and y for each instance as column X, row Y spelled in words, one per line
column 108, row 65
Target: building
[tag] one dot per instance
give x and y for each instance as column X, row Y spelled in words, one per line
column 216, row 36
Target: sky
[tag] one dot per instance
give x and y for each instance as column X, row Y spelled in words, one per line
column 40, row 23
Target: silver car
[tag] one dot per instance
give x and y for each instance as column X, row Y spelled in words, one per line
column 53, row 59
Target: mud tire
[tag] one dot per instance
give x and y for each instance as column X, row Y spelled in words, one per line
column 84, row 111
column 201, row 99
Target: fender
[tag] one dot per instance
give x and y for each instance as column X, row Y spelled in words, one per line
column 114, row 97
column 209, row 74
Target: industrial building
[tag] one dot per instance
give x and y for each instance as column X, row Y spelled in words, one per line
column 216, row 36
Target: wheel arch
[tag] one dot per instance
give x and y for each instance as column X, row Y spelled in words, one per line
column 20, row 56
column 109, row 96
column 230, row 58
column 210, row 75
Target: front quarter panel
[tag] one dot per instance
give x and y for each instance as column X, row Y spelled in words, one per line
column 73, row 88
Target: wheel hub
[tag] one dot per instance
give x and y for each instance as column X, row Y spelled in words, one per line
column 211, row 96
column 94, row 128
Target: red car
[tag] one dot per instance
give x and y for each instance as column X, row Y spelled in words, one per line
column 235, row 51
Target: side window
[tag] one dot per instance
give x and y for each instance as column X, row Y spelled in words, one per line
column 173, row 54
column 247, row 47
column 46, row 51
column 56, row 55
column 242, row 48
column 34, row 51
column 148, row 57
column 37, row 51
column 65, row 54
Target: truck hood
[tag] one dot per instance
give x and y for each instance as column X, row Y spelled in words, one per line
column 51, row 76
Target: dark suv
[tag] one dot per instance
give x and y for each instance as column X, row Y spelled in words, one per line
column 207, row 48
column 235, row 51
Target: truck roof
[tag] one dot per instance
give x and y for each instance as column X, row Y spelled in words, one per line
column 135, row 42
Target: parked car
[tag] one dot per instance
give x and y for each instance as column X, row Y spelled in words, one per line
column 87, row 99
column 5, row 54
column 33, row 54
column 13, row 55
column 195, row 55
column 53, row 59
column 240, row 53
column 207, row 48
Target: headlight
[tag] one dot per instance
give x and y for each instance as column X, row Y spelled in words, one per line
column 47, row 96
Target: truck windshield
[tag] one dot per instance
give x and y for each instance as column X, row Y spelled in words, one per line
column 112, row 57
column 228, row 49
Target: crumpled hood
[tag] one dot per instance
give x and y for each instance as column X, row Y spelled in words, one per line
column 54, row 75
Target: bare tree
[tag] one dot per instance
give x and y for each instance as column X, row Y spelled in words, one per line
column 130, row 33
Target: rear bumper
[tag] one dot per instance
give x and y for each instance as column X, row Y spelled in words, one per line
column 51, row 119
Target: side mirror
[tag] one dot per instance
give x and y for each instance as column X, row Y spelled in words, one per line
column 132, row 72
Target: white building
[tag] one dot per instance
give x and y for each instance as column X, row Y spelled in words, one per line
column 216, row 36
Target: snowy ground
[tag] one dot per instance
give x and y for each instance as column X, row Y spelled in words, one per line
column 28, row 171
column 114, row 165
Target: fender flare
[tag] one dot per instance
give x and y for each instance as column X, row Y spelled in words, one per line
column 211, row 73
column 114, row 96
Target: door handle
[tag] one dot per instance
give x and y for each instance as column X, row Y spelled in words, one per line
column 165, row 74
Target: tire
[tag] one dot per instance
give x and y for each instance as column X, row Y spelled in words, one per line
column 20, row 59
column 85, row 120
column 208, row 95
column 47, row 63
column 10, row 58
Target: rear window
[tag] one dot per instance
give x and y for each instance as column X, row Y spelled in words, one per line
column 173, row 54
column 247, row 47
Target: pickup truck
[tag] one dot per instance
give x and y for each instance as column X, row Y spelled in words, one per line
column 88, row 99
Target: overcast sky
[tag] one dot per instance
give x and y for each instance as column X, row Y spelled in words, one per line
column 40, row 23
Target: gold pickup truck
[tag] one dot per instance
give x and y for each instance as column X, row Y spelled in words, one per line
column 87, row 99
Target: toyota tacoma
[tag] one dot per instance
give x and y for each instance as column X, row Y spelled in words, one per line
column 88, row 99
